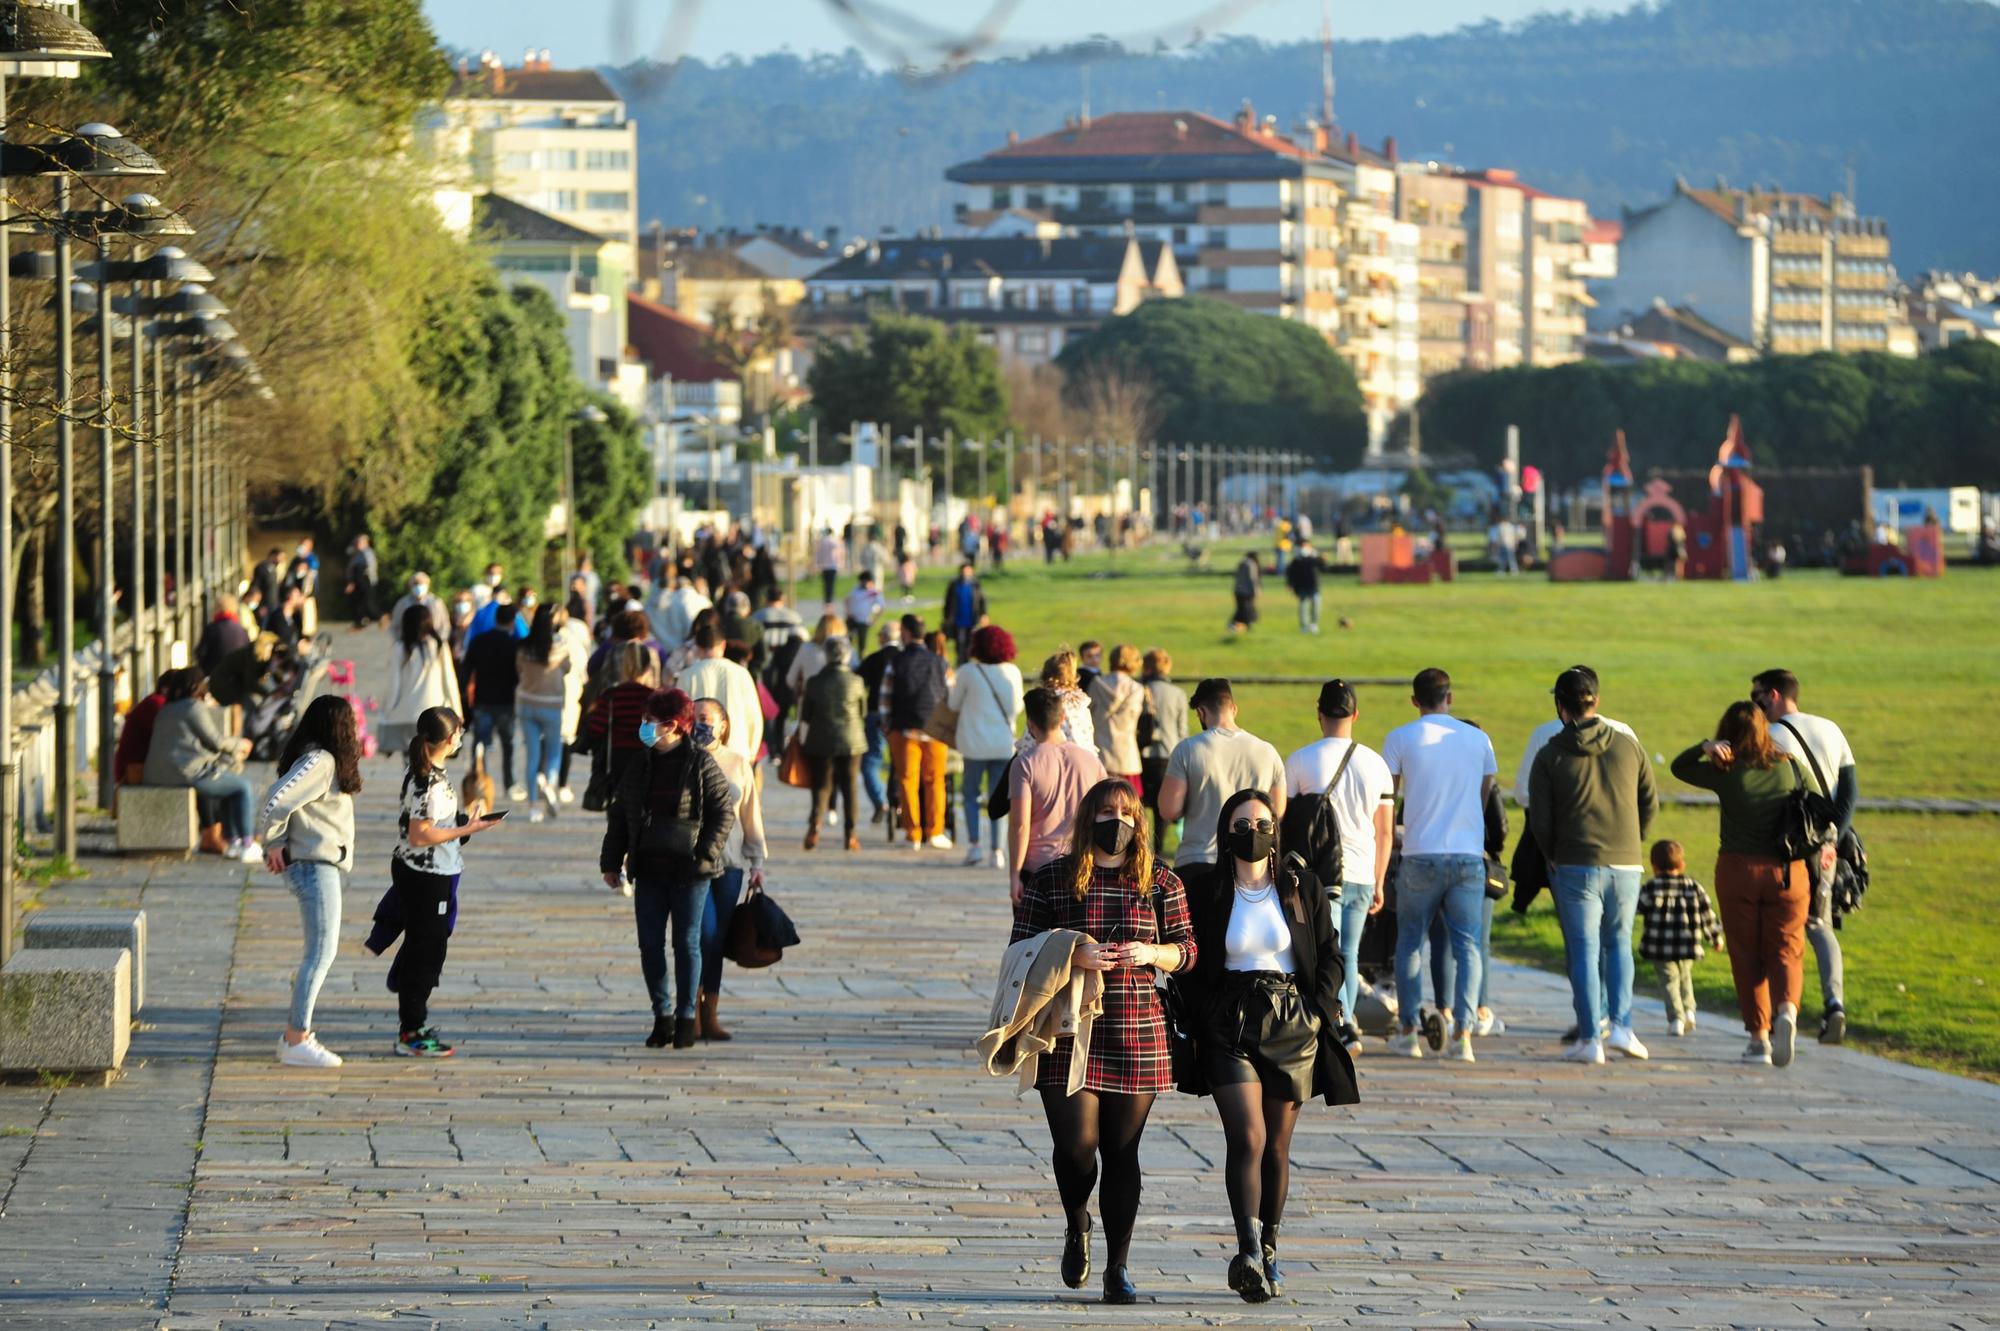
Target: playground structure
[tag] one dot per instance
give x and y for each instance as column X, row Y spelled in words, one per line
column 1390, row 557
column 1716, row 543
column 1921, row 554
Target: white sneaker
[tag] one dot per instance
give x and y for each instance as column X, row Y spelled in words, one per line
column 1625, row 1042
column 624, row 887
column 1584, row 1051
column 517, row 793
column 307, row 1053
column 547, row 790
column 1407, row 1045
column 535, row 815
column 249, row 851
column 1758, row 1051
column 974, row 858
column 1460, row 1049
column 1690, row 1023
column 999, row 859
column 566, row 795
column 915, row 845
column 940, row 842
column 1784, row 1031
column 1487, row 1022
column 832, row 815
column 1677, row 1027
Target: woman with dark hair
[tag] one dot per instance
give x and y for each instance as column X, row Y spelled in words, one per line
column 1266, row 996
column 191, row 748
column 543, row 664
column 425, row 675
column 665, row 831
column 1109, row 887
column 424, row 870
column 1763, row 895
column 986, row 693
column 308, row 822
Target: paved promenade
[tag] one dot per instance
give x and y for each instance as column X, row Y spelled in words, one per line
column 844, row 1163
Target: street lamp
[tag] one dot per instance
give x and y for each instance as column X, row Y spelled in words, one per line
column 589, row 414
column 35, row 33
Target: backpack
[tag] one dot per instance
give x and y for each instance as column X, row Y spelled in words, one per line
column 1312, row 828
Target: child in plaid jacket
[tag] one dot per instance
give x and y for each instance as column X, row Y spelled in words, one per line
column 1679, row 920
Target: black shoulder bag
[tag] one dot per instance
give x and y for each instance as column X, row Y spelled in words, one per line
column 1806, row 823
column 1850, row 875
column 1174, row 1009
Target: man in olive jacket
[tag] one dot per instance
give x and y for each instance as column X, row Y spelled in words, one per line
column 1590, row 802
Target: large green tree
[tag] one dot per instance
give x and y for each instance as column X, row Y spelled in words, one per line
column 1223, row 375
column 910, row 373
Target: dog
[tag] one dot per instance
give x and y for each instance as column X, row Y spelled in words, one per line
column 475, row 793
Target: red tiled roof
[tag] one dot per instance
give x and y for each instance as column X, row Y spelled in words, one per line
column 1722, row 202
column 1601, row 232
column 534, row 85
column 1506, row 178
column 670, row 343
column 1152, row 134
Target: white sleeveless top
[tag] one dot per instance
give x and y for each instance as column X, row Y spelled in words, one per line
column 1258, row 938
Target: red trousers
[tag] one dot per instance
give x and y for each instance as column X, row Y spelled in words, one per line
column 1763, row 903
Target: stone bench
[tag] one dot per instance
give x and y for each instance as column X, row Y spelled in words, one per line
column 65, row 1009
column 94, row 929
column 157, row 820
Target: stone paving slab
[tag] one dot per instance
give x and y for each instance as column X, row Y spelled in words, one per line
column 844, row 1163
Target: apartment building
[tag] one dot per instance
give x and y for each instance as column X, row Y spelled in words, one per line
column 1785, row 272
column 556, row 140
column 1025, row 296
column 1378, row 315
column 585, row 275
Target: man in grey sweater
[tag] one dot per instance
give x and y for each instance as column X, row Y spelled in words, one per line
column 1591, row 801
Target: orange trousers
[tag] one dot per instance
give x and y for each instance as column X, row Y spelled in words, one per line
column 1763, row 902
column 917, row 762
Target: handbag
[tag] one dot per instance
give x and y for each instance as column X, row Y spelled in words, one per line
column 759, row 932
column 1181, row 1046
column 1805, row 823
column 793, row 769
column 597, row 792
column 1496, row 878
column 942, row 724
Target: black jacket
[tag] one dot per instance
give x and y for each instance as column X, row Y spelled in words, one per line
column 492, row 667
column 1315, row 951
column 916, row 688
column 699, row 796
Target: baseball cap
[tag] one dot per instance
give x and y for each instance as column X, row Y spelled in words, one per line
column 1336, row 698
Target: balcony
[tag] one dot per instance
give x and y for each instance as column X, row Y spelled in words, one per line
column 1102, row 213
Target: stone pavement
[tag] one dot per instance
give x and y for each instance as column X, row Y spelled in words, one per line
column 844, row 1162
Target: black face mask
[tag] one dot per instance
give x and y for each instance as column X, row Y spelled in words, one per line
column 1113, row 837
column 1250, row 845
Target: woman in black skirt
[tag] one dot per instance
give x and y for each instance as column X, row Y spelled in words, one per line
column 1108, row 887
column 1267, row 999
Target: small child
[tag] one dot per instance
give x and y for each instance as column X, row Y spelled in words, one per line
column 1679, row 920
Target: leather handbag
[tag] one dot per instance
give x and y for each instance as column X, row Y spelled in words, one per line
column 597, row 792
column 942, row 724
column 793, row 769
column 759, row 932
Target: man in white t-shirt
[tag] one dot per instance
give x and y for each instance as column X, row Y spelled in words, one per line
column 1364, row 802
column 1776, row 692
column 1205, row 769
column 1443, row 770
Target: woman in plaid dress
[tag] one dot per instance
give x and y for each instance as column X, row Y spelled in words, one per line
column 1109, row 888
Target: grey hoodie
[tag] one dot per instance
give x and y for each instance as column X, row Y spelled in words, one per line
column 308, row 814
column 1591, row 797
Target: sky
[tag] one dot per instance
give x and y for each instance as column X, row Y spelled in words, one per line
column 592, row 32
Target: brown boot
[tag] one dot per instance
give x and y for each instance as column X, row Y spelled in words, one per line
column 812, row 836
column 853, row 841
column 711, row 1029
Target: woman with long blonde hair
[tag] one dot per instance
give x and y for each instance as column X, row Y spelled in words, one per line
column 1110, row 888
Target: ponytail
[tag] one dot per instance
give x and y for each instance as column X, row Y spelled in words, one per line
column 434, row 726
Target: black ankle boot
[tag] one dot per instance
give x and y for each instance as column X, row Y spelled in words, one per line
column 685, row 1031
column 663, row 1031
column 1273, row 1277
column 1246, row 1277
column 1118, row 1287
column 1076, row 1256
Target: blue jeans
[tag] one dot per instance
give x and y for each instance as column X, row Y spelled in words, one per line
column 724, row 891
column 317, row 886
column 231, row 793
column 1428, row 884
column 1595, row 905
column 980, row 774
column 541, row 743
column 1351, row 911
column 486, row 721
column 1438, row 947
column 655, row 903
column 875, row 762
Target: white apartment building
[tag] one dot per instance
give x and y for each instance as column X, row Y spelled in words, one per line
column 557, row 140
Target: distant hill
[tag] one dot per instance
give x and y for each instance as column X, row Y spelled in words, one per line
column 1610, row 108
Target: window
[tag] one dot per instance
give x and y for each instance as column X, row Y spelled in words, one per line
column 1218, row 239
column 517, row 161
column 1215, row 279
column 1145, row 196
column 1218, row 192
column 1180, row 236
column 559, row 159
column 969, row 298
column 1093, row 198
column 1031, row 342
column 1180, row 194
column 607, row 159
column 1037, row 199
column 609, row 200
column 1003, row 197
column 562, row 200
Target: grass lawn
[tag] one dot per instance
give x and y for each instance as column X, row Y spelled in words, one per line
column 1911, row 670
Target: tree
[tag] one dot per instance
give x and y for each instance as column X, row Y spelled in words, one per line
column 1219, row 374
column 746, row 345
column 912, row 374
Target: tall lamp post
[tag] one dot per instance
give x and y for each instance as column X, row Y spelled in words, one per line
column 37, row 33
column 589, row 414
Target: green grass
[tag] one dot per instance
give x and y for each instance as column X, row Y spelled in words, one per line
column 1910, row 669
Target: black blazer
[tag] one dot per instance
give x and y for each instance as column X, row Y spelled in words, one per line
column 1315, row 951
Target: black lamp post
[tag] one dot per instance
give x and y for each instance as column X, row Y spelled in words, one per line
column 588, row 414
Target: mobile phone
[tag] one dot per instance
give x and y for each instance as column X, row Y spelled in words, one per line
column 498, row 815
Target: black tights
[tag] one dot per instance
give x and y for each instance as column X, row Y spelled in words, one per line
column 1257, row 1126
column 1091, row 1126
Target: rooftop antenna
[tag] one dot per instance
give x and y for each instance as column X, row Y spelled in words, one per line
column 1326, row 64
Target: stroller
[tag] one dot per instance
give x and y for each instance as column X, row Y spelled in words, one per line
column 293, row 679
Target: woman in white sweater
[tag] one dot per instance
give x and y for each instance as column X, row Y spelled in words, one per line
column 425, row 677
column 986, row 694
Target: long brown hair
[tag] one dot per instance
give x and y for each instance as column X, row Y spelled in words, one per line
column 1082, row 863
column 1748, row 735
column 328, row 724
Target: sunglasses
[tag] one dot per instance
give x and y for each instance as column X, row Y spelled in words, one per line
column 1246, row 825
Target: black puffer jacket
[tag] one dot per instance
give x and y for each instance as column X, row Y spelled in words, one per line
column 669, row 817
